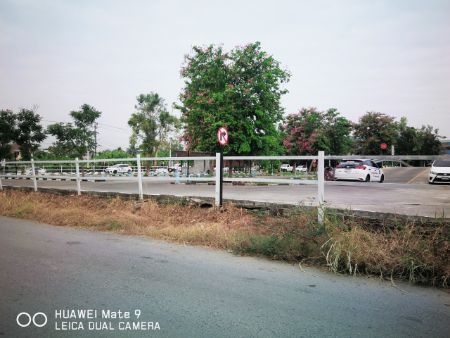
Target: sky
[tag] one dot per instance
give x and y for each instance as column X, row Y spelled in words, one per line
column 391, row 56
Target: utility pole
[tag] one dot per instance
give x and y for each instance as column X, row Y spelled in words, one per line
column 95, row 138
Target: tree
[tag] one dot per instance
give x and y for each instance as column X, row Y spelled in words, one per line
column 302, row 132
column 372, row 130
column 30, row 132
column 150, row 124
column 8, row 132
column 337, row 130
column 115, row 153
column 310, row 130
column 407, row 142
column 78, row 138
column 240, row 90
column 428, row 140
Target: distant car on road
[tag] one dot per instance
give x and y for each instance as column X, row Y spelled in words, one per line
column 439, row 171
column 37, row 171
column 119, row 169
column 359, row 170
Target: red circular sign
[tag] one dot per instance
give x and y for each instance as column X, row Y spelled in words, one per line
column 383, row 146
column 222, row 136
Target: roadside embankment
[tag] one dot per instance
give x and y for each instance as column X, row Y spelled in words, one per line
column 397, row 248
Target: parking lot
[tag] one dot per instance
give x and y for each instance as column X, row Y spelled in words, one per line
column 415, row 198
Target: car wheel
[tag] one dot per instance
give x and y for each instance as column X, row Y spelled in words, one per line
column 115, row 172
column 368, row 178
column 129, row 171
column 382, row 179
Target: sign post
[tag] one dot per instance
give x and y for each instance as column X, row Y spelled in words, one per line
column 222, row 138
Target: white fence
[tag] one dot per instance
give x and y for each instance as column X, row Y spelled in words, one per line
column 86, row 170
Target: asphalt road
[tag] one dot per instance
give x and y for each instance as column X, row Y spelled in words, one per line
column 196, row 292
column 407, row 199
column 408, row 175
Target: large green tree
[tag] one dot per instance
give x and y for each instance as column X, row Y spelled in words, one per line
column 151, row 124
column 8, row 132
column 372, row 130
column 240, row 90
column 77, row 138
column 30, row 133
column 310, row 130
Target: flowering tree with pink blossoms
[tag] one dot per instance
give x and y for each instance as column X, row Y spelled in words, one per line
column 310, row 130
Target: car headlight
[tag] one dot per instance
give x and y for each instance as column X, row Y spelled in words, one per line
column 433, row 172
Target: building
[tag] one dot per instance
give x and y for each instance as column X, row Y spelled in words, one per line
column 15, row 152
column 196, row 166
column 445, row 145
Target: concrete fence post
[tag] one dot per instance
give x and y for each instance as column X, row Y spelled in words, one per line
column 218, row 183
column 320, row 186
column 34, row 175
column 77, row 171
column 139, row 175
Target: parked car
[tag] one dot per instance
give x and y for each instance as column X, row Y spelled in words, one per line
column 162, row 171
column 174, row 168
column 37, row 171
column 359, row 170
column 286, row 167
column 225, row 169
column 301, row 169
column 119, row 169
column 439, row 171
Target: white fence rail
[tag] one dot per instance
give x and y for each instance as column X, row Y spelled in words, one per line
column 87, row 170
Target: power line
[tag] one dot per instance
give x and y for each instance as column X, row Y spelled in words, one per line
column 111, row 126
column 99, row 123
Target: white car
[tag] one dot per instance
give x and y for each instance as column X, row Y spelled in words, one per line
column 37, row 171
column 359, row 170
column 439, row 171
column 225, row 169
column 162, row 171
column 301, row 169
column 286, row 167
column 119, row 169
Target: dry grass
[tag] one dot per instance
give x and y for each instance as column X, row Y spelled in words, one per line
column 406, row 252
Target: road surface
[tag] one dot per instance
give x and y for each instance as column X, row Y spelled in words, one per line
column 407, row 199
column 195, row 292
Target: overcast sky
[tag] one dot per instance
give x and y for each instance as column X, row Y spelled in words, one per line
column 387, row 56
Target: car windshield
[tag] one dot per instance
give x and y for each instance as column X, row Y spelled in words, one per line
column 350, row 164
column 441, row 163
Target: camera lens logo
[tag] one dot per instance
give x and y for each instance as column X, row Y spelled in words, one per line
column 24, row 319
